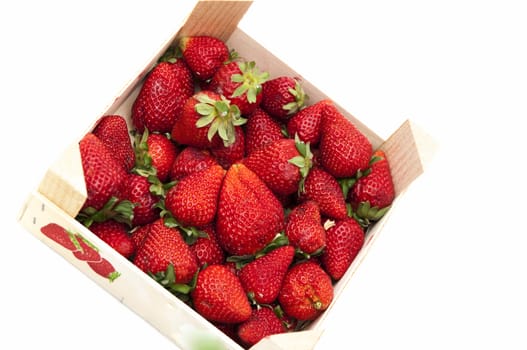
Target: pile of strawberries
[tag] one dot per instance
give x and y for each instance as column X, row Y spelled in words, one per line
column 234, row 192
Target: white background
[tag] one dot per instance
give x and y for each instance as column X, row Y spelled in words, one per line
column 448, row 272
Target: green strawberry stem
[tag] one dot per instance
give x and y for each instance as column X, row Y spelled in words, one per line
column 171, row 55
column 143, row 165
column 347, row 183
column 189, row 233
column 143, row 161
column 167, row 279
column 122, row 211
column 365, row 214
column 304, row 161
column 220, row 116
column 242, row 260
column 300, row 99
column 300, row 255
column 250, row 80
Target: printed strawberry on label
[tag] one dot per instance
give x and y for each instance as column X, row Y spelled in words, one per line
column 239, row 195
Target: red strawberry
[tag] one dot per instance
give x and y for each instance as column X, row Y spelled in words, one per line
column 282, row 165
column 306, row 123
column 304, row 228
column 164, row 246
column 206, row 114
column 112, row 130
column 105, row 269
column 115, row 234
column 136, row 189
column 344, row 241
column 344, row 149
column 262, row 323
column 155, row 154
column 60, row 235
column 162, row 96
column 193, row 201
column 283, row 96
column 321, row 187
column 139, row 233
column 219, row 296
column 163, row 153
column 207, row 249
column 262, row 278
column 228, row 155
column 249, row 215
column 103, row 175
column 87, row 251
column 240, row 82
column 306, row 292
column 260, row 130
column 203, row 54
column 190, row 160
column 375, row 188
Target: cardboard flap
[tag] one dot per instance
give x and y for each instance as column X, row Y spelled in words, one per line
column 409, row 150
column 215, row 18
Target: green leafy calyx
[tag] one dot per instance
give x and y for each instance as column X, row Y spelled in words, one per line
column 304, row 161
column 220, row 116
column 250, row 80
column 300, row 99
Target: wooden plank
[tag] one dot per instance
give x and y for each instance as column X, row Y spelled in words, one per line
column 409, row 149
column 63, row 184
column 217, row 18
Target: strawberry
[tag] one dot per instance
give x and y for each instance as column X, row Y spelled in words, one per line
column 103, row 175
column 190, row 160
column 193, row 200
column 219, row 296
column 87, row 251
column 155, row 154
column 164, row 246
column 304, row 228
column 344, row 149
column 306, row 123
column 207, row 249
column 260, row 130
column 344, row 241
column 136, row 189
column 282, row 165
column 228, row 155
column 139, row 233
column 321, row 187
column 115, row 234
column 249, row 215
column 105, row 269
column 306, row 292
column 112, row 130
column 283, row 96
column 60, row 235
column 162, row 96
column 240, row 82
column 203, row 54
column 206, row 114
column 262, row 323
column 374, row 191
column 262, row 278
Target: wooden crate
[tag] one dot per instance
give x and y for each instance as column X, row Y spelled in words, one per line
column 62, row 192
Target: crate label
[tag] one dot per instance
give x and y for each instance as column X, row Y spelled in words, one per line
column 82, row 249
